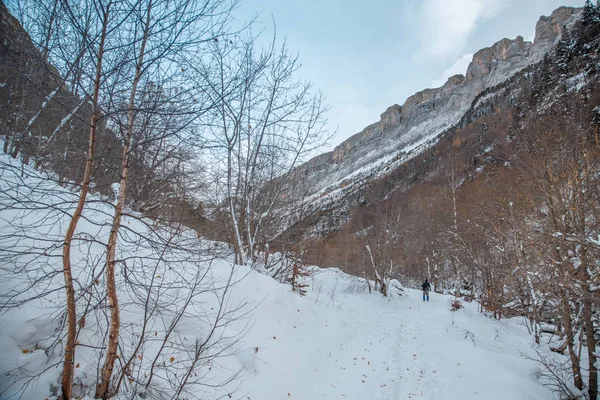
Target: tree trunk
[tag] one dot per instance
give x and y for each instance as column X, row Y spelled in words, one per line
column 236, row 230
column 67, row 375
column 16, row 142
column 570, row 339
column 591, row 345
column 102, row 389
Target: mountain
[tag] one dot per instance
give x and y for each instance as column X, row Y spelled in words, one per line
column 334, row 180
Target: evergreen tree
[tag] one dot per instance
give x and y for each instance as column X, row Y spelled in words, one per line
column 589, row 12
column 563, row 51
column 590, row 21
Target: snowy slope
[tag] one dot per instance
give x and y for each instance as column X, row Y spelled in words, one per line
column 336, row 342
column 155, row 281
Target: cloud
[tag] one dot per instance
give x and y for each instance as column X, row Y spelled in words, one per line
column 446, row 24
column 459, row 67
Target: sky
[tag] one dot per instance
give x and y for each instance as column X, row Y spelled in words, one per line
column 368, row 55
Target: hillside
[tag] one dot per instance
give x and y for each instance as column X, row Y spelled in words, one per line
column 493, row 133
column 336, row 342
column 161, row 237
column 337, row 181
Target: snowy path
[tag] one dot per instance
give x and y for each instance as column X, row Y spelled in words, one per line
column 369, row 347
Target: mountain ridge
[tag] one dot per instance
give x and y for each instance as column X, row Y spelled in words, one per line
column 431, row 111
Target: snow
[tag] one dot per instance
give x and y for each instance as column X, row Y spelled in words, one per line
column 576, row 83
column 359, row 346
column 337, row 342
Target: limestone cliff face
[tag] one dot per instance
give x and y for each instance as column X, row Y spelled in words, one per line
column 389, row 119
column 427, row 113
column 485, row 59
column 549, row 28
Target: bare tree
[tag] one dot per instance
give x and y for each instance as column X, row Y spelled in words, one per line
column 162, row 31
column 67, row 377
column 264, row 123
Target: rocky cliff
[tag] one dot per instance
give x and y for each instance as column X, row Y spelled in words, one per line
column 405, row 130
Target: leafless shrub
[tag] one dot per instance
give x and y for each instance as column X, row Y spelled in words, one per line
column 455, row 304
column 356, row 285
column 556, row 374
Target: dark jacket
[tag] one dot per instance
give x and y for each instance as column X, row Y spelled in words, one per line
column 426, row 286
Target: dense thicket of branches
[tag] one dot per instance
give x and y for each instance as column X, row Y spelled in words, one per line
column 125, row 100
column 264, row 123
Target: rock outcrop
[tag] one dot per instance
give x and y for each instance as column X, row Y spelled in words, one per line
column 485, row 59
column 549, row 28
column 391, row 118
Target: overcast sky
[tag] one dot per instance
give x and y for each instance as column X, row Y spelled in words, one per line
column 367, row 55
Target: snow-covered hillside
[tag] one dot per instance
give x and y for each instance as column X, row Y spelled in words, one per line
column 406, row 131
column 270, row 343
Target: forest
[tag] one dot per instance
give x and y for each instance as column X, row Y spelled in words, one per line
column 169, row 133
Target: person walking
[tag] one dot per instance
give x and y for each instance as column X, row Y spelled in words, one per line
column 426, row 288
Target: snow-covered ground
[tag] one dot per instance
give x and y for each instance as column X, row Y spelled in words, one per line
column 337, row 342
column 360, row 346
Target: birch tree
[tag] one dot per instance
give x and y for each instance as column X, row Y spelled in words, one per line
column 161, row 31
column 67, row 376
column 264, row 124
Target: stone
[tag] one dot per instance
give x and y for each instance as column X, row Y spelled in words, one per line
column 550, row 28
